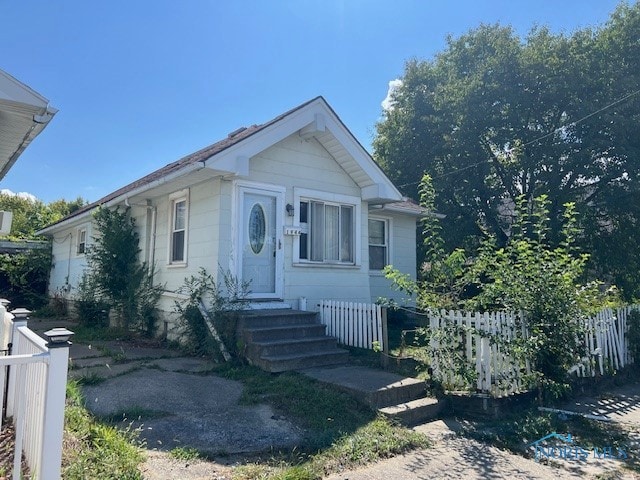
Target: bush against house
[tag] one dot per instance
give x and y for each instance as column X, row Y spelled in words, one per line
column 116, row 277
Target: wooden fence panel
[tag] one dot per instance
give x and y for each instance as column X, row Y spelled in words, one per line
column 497, row 372
column 354, row 324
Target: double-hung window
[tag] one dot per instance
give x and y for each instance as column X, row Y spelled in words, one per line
column 327, row 232
column 378, row 244
column 81, row 246
column 179, row 214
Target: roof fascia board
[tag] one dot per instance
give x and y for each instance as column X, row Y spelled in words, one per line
column 262, row 140
column 346, row 139
column 20, row 108
column 121, row 198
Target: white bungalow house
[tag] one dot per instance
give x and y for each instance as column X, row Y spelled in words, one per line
column 296, row 206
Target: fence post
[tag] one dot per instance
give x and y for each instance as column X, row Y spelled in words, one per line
column 14, row 341
column 385, row 338
column 55, row 394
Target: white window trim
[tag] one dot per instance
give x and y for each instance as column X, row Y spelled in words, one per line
column 389, row 230
column 79, row 230
column 182, row 195
column 300, row 194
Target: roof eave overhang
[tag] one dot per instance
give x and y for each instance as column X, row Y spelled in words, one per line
column 315, row 120
column 187, row 169
column 38, row 118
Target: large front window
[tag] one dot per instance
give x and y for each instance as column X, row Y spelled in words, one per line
column 327, row 232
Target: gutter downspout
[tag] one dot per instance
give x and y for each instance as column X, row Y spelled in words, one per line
column 152, row 229
column 152, row 243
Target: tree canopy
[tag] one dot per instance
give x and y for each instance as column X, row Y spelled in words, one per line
column 494, row 117
column 30, row 215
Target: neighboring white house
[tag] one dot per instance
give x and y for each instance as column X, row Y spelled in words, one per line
column 296, row 206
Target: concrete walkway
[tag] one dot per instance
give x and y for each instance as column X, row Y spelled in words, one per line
column 174, row 400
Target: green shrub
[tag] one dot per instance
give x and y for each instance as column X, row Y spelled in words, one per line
column 117, row 277
column 91, row 309
column 24, row 277
column 222, row 304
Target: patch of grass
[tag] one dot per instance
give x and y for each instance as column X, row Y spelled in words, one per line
column 185, row 453
column 372, row 442
column 135, row 413
column 93, row 449
column 119, row 357
column 91, row 379
column 328, row 413
column 84, row 334
column 342, row 433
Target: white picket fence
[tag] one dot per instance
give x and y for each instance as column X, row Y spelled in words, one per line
column 355, row 324
column 496, row 371
column 36, row 388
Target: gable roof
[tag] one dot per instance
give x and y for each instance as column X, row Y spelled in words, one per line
column 24, row 113
column 231, row 156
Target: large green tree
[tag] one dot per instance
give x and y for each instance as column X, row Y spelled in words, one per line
column 495, row 116
column 31, row 215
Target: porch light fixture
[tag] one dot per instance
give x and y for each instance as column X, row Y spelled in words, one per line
column 58, row 337
column 290, row 209
column 21, row 313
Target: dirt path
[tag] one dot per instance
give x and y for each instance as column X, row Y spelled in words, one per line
column 161, row 466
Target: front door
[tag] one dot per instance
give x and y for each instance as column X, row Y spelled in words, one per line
column 260, row 242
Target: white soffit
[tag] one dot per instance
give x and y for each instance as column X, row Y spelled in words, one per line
column 24, row 113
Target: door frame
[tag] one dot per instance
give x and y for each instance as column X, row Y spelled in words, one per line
column 276, row 191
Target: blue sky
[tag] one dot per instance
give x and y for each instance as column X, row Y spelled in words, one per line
column 140, row 84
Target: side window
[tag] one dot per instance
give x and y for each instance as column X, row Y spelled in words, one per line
column 378, row 244
column 178, row 216
column 81, row 246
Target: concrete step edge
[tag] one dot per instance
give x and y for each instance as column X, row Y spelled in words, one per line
column 426, row 402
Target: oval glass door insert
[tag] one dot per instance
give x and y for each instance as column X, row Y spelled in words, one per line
column 257, row 228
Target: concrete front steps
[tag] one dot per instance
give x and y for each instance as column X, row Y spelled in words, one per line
column 279, row 340
column 401, row 398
